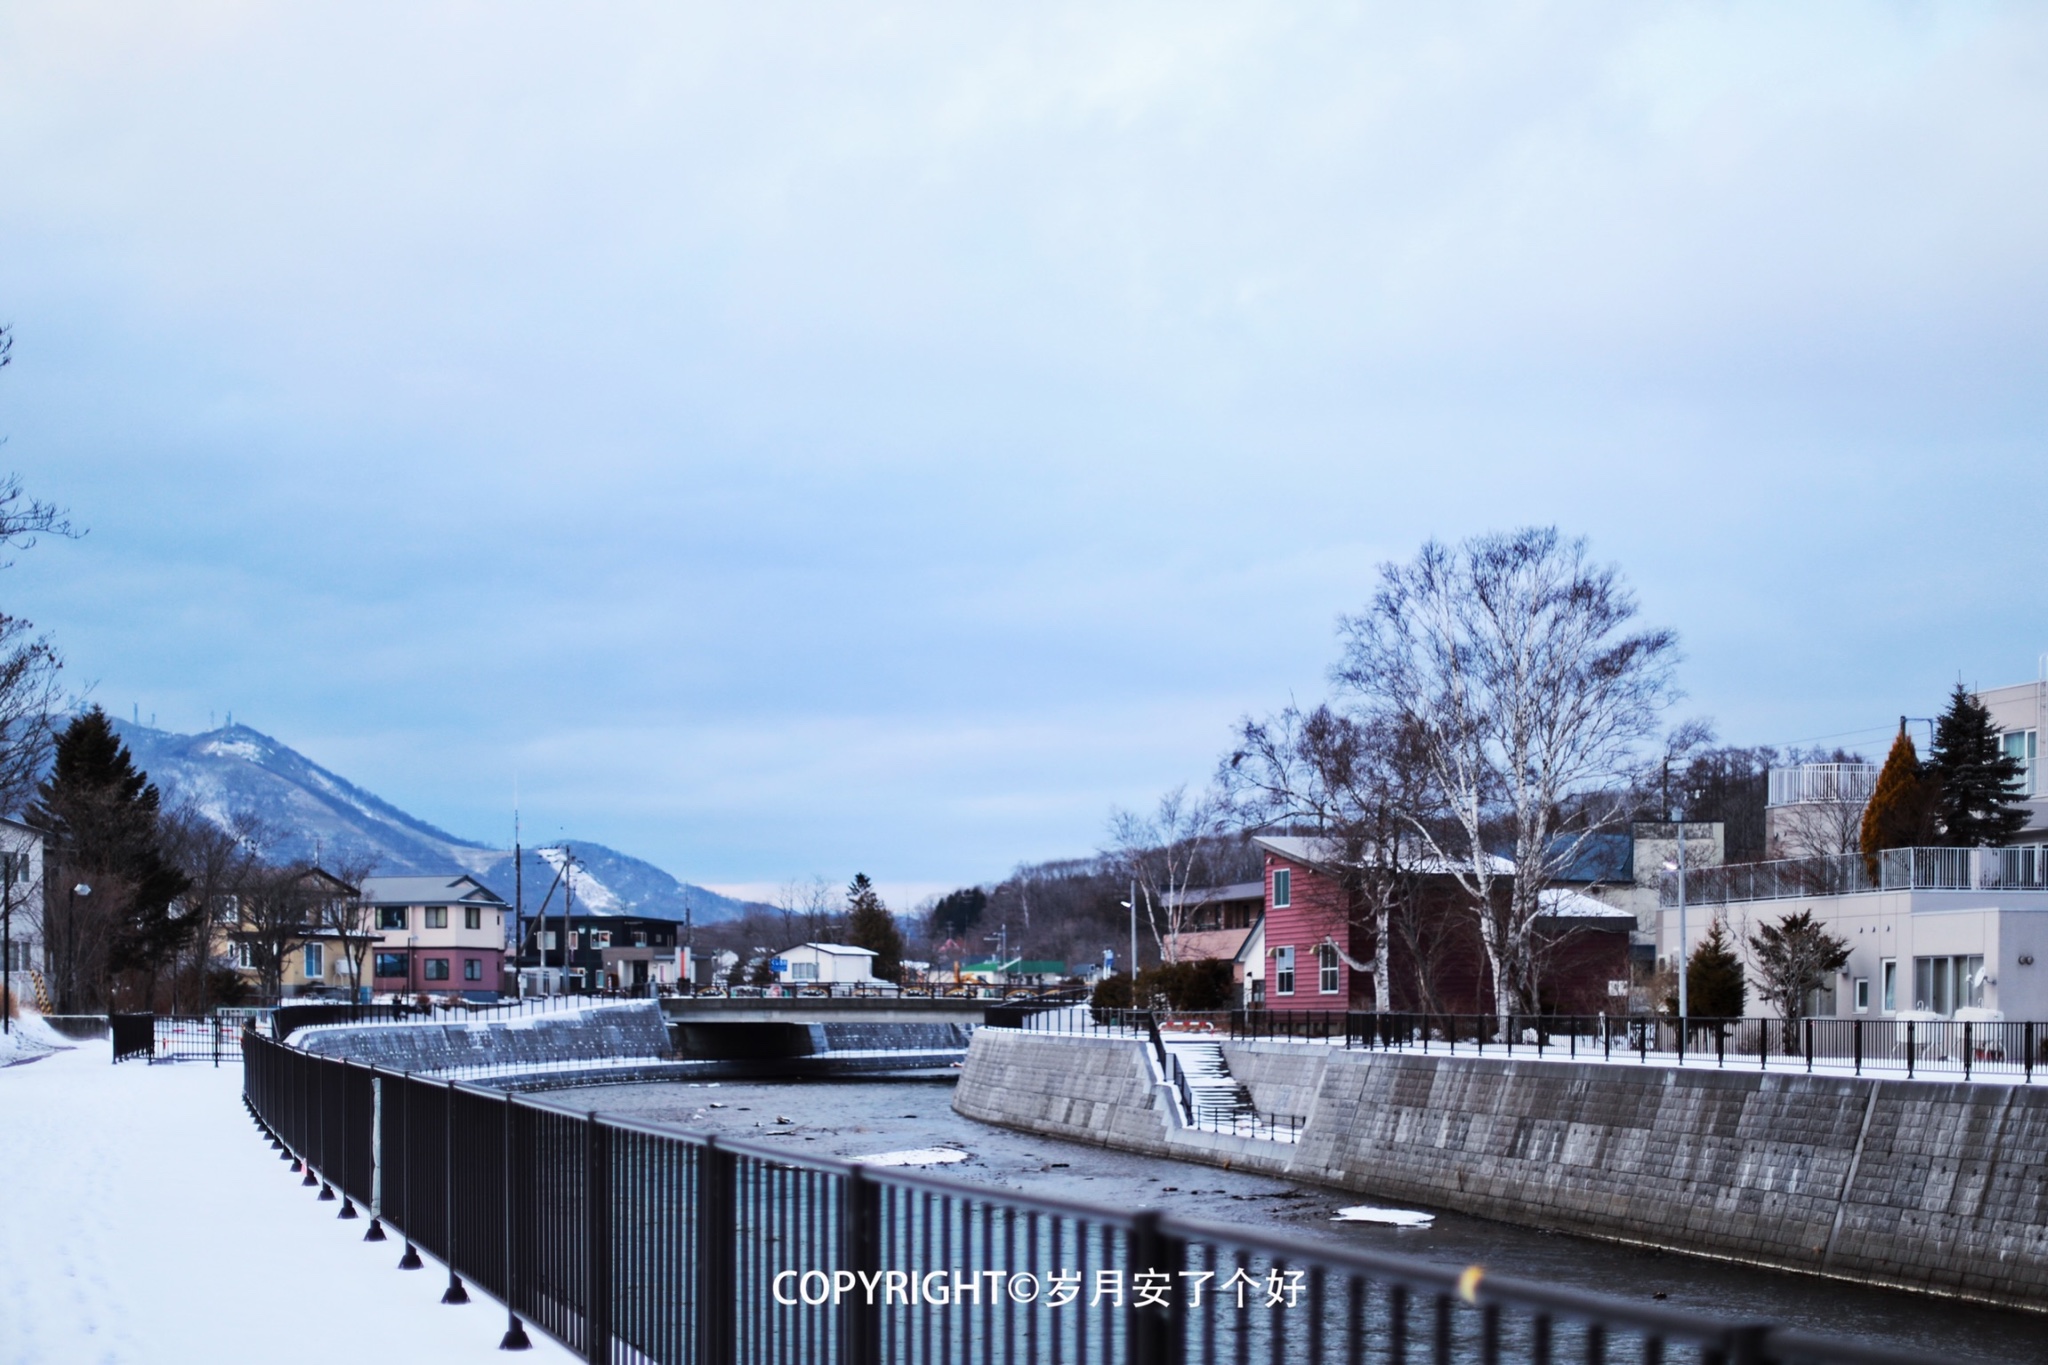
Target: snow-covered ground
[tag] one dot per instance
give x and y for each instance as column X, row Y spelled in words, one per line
column 143, row 1218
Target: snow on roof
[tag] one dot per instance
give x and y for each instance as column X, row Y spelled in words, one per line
column 1564, row 903
column 842, row 949
column 1316, row 851
column 1210, row 895
column 427, row 891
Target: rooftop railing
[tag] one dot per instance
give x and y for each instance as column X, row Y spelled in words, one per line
column 1817, row 782
column 2020, row 868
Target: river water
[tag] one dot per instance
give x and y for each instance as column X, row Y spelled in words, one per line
column 866, row 1117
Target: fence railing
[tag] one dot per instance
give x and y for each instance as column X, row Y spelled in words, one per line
column 179, row 1037
column 1914, row 1048
column 1823, row 782
column 634, row 1242
column 2022, row 867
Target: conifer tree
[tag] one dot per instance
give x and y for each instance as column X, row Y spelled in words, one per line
column 1900, row 813
column 1714, row 986
column 870, row 925
column 1975, row 799
column 100, row 814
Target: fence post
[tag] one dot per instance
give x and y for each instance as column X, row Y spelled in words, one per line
column 1808, row 1040
column 1969, row 1051
column 717, row 1229
column 597, row 1245
column 376, row 1230
column 515, row 1338
column 454, row 1293
column 1909, row 1049
column 1857, row 1030
column 348, row 1147
column 411, row 1259
column 860, row 1251
column 1156, row 1329
column 2030, row 1052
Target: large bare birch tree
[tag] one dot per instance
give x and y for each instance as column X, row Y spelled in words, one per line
column 1518, row 667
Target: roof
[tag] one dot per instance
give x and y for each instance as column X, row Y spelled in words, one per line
column 1561, row 902
column 1212, row 895
column 1257, row 933
column 1017, row 965
column 1319, row 852
column 839, row 949
column 428, row 891
column 1598, row 858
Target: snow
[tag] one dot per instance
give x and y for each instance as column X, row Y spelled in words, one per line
column 915, row 1156
column 591, row 893
column 1393, row 1218
column 234, row 748
column 29, row 1039
column 146, row 1220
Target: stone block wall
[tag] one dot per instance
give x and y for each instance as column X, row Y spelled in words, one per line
column 634, row 1030
column 1933, row 1186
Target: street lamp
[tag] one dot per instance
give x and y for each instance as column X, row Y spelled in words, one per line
column 1684, row 943
column 71, row 933
column 1132, row 906
column 7, row 941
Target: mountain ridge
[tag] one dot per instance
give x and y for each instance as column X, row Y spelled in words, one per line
column 318, row 814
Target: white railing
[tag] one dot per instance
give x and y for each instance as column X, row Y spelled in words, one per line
column 2021, row 868
column 1822, row 782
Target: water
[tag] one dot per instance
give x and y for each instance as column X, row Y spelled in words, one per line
column 864, row 1117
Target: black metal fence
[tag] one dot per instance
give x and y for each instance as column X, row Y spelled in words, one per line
column 633, row 1242
column 1932, row 1048
column 177, row 1037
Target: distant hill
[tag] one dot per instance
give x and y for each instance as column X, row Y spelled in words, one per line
column 236, row 768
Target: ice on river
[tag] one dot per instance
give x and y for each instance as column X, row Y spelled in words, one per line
column 1393, row 1218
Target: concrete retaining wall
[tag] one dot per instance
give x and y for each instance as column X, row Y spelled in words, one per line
column 632, row 1030
column 1930, row 1186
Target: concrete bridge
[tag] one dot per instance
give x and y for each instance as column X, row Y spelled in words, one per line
column 917, row 1031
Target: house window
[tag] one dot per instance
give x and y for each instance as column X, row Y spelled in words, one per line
column 1326, row 970
column 314, row 962
column 472, row 917
column 602, row 938
column 1863, row 995
column 472, row 969
column 437, row 969
column 1947, row 984
column 639, row 938
column 245, row 955
column 1283, row 970
column 391, row 964
column 803, row 971
column 1283, row 888
column 2023, row 748
column 1888, row 979
column 391, row 917
column 437, row 917
column 547, row 941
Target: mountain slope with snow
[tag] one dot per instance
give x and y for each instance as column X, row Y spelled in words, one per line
column 318, row 813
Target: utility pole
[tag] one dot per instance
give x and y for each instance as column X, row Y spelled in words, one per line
column 568, row 909
column 518, row 897
column 1134, row 943
column 7, row 941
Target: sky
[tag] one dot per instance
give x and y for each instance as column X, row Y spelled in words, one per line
column 786, row 440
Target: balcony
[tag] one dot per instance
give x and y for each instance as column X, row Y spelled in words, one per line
column 1813, row 783
column 2020, row 868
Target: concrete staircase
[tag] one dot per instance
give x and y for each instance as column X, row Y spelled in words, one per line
column 1218, row 1101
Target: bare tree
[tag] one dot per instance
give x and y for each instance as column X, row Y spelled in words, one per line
column 344, row 913
column 218, row 858
column 1167, row 854
column 1513, row 660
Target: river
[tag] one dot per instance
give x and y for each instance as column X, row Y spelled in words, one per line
column 856, row 1118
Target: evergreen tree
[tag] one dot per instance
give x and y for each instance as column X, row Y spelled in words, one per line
column 1796, row 957
column 870, row 925
column 1901, row 809
column 1975, row 799
column 100, row 814
column 1714, row 987
column 958, row 912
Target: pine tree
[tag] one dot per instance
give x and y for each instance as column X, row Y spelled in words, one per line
column 1975, row 802
column 870, row 925
column 100, row 814
column 1714, row 987
column 1796, row 957
column 1900, row 813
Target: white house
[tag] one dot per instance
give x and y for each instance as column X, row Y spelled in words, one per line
column 824, row 964
column 21, row 885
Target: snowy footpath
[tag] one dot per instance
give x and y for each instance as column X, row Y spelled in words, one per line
column 144, row 1219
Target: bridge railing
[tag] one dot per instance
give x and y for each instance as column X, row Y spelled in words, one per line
column 632, row 1241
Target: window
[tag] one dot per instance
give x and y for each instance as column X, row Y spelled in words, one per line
column 472, row 917
column 245, row 955
column 1863, row 995
column 639, row 938
column 602, row 938
column 803, row 971
column 2022, row 746
column 1947, row 984
column 1326, row 970
column 391, row 917
column 1888, row 976
column 314, row 961
column 391, row 964
column 472, row 969
column 1283, row 970
column 547, row 941
column 437, row 917
column 1283, row 888
column 437, row 969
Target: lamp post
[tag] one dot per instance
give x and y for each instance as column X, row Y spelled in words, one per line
column 7, row 941
column 1684, row 943
column 71, row 934
column 1132, row 906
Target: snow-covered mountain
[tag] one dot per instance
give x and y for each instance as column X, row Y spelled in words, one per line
column 316, row 812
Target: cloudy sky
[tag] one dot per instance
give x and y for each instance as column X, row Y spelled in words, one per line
column 791, row 439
